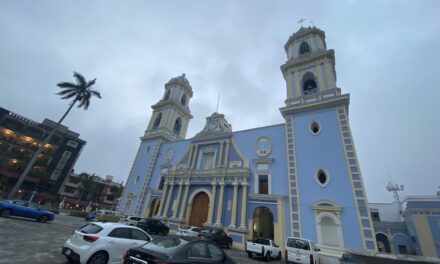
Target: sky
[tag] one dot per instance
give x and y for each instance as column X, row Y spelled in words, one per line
column 386, row 52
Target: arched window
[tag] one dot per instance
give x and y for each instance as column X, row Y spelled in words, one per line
column 177, row 126
column 183, row 100
column 167, row 95
column 157, row 120
column 304, row 48
column 309, row 85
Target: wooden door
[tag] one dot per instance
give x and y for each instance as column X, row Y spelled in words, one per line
column 199, row 211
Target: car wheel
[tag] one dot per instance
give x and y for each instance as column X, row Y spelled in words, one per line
column 43, row 219
column 279, row 256
column 98, row 258
column 249, row 254
column 6, row 213
column 267, row 256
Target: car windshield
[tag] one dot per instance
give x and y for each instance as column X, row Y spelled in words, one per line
column 298, row 243
column 165, row 244
column 90, row 229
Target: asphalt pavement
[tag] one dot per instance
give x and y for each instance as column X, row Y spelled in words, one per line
column 32, row 242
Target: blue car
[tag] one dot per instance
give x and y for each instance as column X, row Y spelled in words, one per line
column 24, row 209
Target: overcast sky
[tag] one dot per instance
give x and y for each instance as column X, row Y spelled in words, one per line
column 387, row 55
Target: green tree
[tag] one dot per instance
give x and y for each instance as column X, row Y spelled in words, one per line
column 86, row 184
column 80, row 92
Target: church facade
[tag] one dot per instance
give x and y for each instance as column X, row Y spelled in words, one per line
column 299, row 178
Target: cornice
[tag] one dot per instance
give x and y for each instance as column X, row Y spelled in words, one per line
column 173, row 103
column 311, row 58
column 334, row 101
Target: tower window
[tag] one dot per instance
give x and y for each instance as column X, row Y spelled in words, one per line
column 167, row 95
column 183, row 100
column 309, row 84
column 322, row 178
column 177, row 126
column 263, row 184
column 315, row 128
column 157, row 120
column 304, row 48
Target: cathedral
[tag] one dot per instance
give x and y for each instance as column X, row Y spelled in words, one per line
column 299, row 178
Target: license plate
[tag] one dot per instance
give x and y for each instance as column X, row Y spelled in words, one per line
column 68, row 251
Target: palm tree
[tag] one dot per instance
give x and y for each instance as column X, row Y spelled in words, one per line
column 80, row 92
column 86, row 184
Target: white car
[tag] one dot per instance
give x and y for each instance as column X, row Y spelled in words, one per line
column 191, row 231
column 130, row 220
column 264, row 248
column 101, row 243
column 300, row 250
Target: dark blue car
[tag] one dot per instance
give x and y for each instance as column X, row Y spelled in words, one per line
column 24, row 209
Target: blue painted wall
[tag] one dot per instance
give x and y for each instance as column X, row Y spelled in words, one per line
column 326, row 151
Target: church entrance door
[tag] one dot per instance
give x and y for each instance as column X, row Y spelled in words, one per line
column 199, row 211
column 263, row 223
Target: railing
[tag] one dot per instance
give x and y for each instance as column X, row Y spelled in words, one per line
column 209, row 173
column 313, row 98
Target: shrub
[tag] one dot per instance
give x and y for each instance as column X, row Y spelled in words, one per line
column 78, row 213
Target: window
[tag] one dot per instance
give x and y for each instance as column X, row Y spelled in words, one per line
column 138, row 235
column 198, row 250
column 263, row 146
column 208, row 162
column 161, row 183
column 263, row 184
column 375, row 216
column 309, row 84
column 322, row 177
column 216, row 253
column 315, row 128
column 402, row 249
column 177, row 125
column 137, row 179
column 304, row 48
column 90, row 229
column 72, row 144
column 120, row 233
column 157, row 120
column 183, row 100
column 69, row 189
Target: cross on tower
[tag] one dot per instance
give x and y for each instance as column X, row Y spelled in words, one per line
column 301, row 20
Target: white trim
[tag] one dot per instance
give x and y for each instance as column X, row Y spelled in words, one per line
column 319, row 127
column 336, row 220
column 317, row 180
column 197, row 191
column 257, row 181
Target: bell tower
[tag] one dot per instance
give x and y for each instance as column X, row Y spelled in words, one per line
column 171, row 114
column 322, row 161
column 310, row 66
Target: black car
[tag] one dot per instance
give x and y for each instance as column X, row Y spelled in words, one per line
column 153, row 226
column 174, row 249
column 218, row 236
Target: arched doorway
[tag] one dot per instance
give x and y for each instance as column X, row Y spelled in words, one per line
column 199, row 210
column 330, row 232
column 383, row 245
column 263, row 223
column 154, row 209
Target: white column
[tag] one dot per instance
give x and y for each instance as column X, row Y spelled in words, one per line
column 167, row 205
column 220, row 203
column 234, row 204
column 221, row 154
column 225, row 162
column 179, row 193
column 184, row 200
column 243, row 205
column 164, row 194
column 212, row 202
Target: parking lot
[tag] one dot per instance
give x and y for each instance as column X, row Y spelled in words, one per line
column 28, row 241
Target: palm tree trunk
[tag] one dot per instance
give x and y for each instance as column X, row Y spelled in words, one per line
column 37, row 153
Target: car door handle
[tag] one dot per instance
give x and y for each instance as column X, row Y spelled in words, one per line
column 111, row 242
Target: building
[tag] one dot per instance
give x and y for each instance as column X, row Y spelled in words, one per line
column 101, row 193
column 299, row 178
column 412, row 227
column 20, row 137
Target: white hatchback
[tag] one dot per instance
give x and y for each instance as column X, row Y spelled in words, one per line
column 102, row 243
column 191, row 231
column 300, row 250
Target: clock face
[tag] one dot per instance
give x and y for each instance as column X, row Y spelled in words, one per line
column 212, row 124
